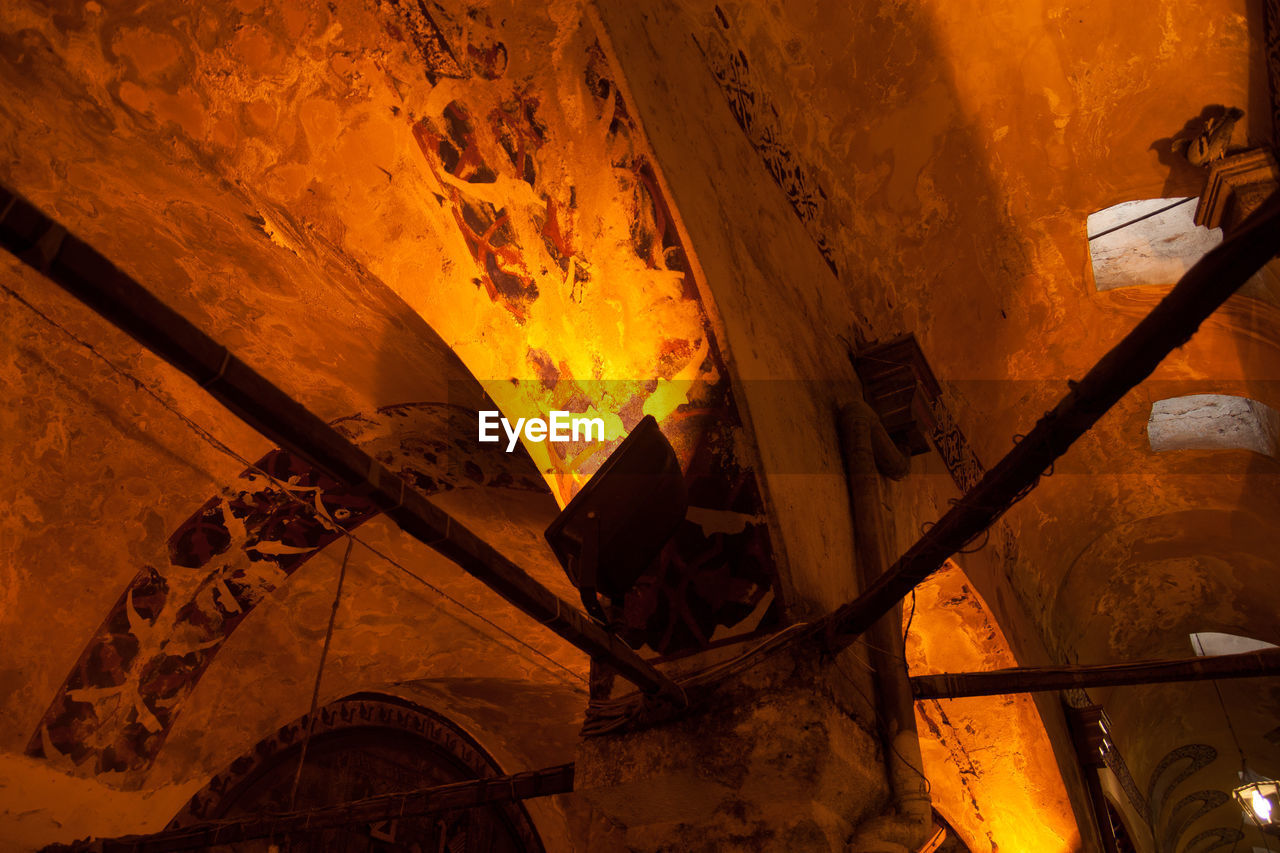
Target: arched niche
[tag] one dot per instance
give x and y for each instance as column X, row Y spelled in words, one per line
column 1213, row 422
column 360, row 746
column 991, row 768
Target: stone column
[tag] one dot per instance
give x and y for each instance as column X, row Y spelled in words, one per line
column 786, row 757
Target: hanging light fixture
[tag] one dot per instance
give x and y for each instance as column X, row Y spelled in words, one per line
column 1259, row 797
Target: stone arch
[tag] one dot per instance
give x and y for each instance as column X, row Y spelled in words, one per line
column 363, row 745
column 116, row 707
column 1203, row 567
column 989, row 761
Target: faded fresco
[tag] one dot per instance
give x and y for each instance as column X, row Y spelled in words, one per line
column 508, row 197
column 116, row 707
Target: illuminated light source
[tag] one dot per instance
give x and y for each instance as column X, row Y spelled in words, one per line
column 614, row 528
column 1259, row 797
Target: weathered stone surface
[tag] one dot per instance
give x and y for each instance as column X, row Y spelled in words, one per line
column 783, row 760
column 1213, row 422
column 1153, row 241
column 282, row 174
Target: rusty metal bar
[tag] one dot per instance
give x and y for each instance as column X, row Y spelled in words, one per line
column 79, row 269
column 952, row 685
column 425, row 801
column 1169, row 325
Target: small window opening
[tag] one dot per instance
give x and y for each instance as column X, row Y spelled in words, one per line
column 1153, row 241
column 1213, row 643
column 1213, row 422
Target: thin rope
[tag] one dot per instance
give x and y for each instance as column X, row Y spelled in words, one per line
column 882, row 725
column 1225, row 714
column 315, row 691
column 1244, row 765
column 212, row 440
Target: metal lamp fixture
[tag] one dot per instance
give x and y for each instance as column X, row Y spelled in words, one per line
column 1259, row 797
column 613, row 529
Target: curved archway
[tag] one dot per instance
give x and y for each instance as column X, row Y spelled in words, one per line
column 1193, row 570
column 1198, row 568
column 116, row 707
column 360, row 746
column 991, row 768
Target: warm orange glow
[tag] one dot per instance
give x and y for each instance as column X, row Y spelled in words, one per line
column 562, row 294
column 988, row 759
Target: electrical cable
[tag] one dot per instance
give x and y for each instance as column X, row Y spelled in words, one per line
column 1115, row 228
column 223, row 448
column 928, row 786
column 315, row 691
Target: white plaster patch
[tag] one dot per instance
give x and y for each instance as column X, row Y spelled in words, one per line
column 1213, row 422
column 1153, row 241
column 1212, row 643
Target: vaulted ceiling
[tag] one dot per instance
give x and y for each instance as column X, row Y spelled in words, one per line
column 399, row 211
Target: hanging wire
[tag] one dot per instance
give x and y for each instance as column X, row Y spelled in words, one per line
column 1225, row 715
column 315, row 691
column 213, row 441
column 1115, row 228
column 928, row 786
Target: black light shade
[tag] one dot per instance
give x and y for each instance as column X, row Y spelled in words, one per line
column 614, row 528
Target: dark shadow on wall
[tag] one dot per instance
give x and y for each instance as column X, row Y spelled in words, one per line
column 1262, row 106
column 887, row 252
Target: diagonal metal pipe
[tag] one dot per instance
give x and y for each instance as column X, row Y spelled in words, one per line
column 868, row 454
column 1170, row 324
column 952, row 685
column 79, row 269
column 424, row 801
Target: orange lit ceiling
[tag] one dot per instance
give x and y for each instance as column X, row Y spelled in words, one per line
column 990, row 765
column 485, row 169
column 481, row 166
